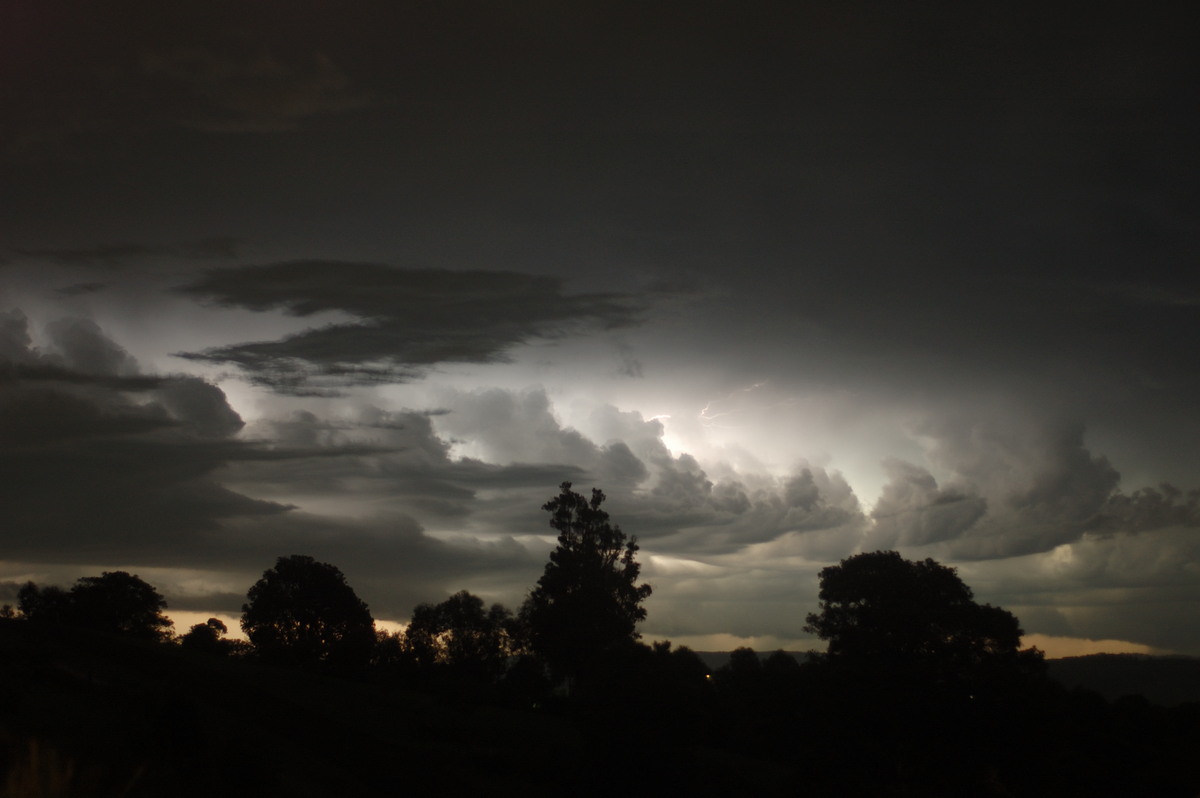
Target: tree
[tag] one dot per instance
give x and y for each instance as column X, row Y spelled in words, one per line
column 744, row 662
column 120, row 603
column 302, row 613
column 879, row 609
column 48, row 604
column 115, row 602
column 781, row 664
column 206, row 637
column 587, row 602
column 929, row 682
column 461, row 636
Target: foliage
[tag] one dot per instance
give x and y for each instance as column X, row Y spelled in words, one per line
column 744, row 662
column 587, row 602
column 880, row 608
column 115, row 602
column 780, row 663
column 47, row 604
column 938, row 678
column 461, row 636
column 390, row 655
column 302, row 613
column 207, row 637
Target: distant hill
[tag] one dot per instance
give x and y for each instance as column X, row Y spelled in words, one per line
column 1167, row 681
column 717, row 659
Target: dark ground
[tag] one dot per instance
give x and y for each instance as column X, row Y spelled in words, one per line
column 84, row 714
column 88, row 715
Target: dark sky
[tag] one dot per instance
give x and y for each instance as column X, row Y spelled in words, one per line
column 367, row 280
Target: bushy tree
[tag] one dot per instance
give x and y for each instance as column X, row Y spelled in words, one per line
column 47, row 604
column 744, row 662
column 781, row 664
column 587, row 602
column 461, row 636
column 206, row 637
column 302, row 613
column 115, row 602
column 120, row 603
column 938, row 679
column 918, row 623
column 881, row 607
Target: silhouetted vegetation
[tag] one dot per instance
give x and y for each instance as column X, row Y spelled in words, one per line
column 885, row 617
column 461, row 642
column 303, row 614
column 587, row 603
column 114, row 602
column 207, row 637
column 922, row 692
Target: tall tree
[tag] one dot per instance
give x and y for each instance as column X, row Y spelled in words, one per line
column 587, row 602
column 303, row 613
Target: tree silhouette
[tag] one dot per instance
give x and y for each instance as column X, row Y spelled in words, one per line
column 47, row 604
column 879, row 608
column 587, row 602
column 115, row 602
column 206, row 637
column 781, row 664
column 461, row 636
column 744, row 662
column 302, row 613
column 928, row 683
column 120, row 603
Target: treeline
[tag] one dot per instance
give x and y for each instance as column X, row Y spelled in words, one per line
column 922, row 690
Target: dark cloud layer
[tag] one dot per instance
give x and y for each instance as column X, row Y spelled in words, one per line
column 216, row 68
column 232, row 90
column 1149, row 509
column 117, row 255
column 92, row 457
column 408, row 320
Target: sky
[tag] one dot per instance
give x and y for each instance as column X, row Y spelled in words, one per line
column 788, row 281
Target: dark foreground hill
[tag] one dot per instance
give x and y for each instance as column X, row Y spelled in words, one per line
column 1167, row 681
column 131, row 718
column 83, row 714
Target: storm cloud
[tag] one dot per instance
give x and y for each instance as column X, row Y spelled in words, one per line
column 407, row 320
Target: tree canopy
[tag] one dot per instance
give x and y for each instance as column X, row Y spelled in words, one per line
column 206, row 637
column 461, row 635
column 303, row 613
column 116, row 602
column 878, row 607
column 587, row 601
